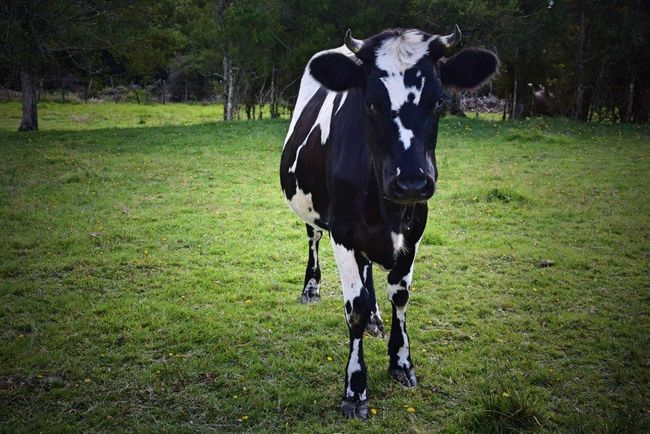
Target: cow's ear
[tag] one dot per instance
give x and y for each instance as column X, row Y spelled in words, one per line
column 469, row 68
column 337, row 72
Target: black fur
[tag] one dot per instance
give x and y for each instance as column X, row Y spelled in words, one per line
column 337, row 72
column 468, row 69
column 351, row 175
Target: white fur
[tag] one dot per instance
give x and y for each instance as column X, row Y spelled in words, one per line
column 394, row 56
column 302, row 204
column 354, row 366
column 398, row 243
column 309, row 86
column 348, row 271
column 403, row 51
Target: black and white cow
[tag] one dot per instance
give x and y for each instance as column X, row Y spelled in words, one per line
column 359, row 162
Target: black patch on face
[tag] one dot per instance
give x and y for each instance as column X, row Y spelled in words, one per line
column 413, row 78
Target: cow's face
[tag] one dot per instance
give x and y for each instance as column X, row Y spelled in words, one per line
column 403, row 75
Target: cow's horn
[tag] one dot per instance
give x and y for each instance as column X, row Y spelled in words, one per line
column 452, row 39
column 353, row 45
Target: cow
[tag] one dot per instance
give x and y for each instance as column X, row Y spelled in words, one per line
column 359, row 162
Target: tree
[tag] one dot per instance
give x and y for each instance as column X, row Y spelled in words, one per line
column 46, row 36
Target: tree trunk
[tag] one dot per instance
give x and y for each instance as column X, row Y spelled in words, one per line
column 29, row 121
column 135, row 92
column 273, row 107
column 88, row 90
column 580, row 70
column 230, row 89
column 513, row 106
column 164, row 92
column 455, row 108
column 595, row 100
column 629, row 99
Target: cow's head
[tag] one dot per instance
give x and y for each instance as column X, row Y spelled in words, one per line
column 402, row 75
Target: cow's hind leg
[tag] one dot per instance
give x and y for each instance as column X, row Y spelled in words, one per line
column 356, row 277
column 311, row 286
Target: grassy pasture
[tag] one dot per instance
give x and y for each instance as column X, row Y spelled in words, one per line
column 150, row 276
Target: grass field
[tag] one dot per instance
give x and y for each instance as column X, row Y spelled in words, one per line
column 150, row 277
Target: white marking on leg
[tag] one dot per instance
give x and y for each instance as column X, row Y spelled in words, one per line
column 354, row 365
column 403, row 353
column 313, row 241
column 348, row 271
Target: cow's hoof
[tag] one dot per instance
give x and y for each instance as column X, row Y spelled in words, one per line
column 404, row 376
column 353, row 409
column 311, row 293
column 375, row 326
column 309, row 297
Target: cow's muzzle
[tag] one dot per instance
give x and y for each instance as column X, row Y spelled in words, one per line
column 411, row 188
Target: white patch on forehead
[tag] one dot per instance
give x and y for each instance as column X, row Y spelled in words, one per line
column 394, row 56
column 402, row 51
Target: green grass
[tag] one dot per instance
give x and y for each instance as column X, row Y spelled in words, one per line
column 80, row 116
column 149, row 281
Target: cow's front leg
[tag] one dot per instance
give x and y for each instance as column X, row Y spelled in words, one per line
column 399, row 285
column 356, row 277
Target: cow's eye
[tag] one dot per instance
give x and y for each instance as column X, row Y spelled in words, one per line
column 370, row 106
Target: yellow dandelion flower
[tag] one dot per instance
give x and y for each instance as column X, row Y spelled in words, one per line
column 506, row 394
column 410, row 410
column 244, row 418
column 88, row 380
column 373, row 410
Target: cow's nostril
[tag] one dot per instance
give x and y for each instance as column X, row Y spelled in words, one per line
column 412, row 184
